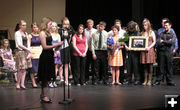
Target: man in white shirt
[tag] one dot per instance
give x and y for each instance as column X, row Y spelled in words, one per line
column 117, row 22
column 88, row 33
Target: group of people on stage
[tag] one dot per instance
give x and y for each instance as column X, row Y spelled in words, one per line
column 84, row 53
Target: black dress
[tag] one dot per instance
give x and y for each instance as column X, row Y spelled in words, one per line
column 46, row 69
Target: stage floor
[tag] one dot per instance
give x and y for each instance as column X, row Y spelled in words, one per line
column 89, row 97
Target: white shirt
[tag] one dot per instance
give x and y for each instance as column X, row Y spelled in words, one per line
column 121, row 33
column 19, row 41
column 87, row 31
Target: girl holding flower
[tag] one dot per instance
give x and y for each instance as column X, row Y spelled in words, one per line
column 115, row 59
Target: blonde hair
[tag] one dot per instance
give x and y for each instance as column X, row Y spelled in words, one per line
column 149, row 26
column 2, row 44
column 56, row 31
column 65, row 20
column 44, row 25
column 90, row 21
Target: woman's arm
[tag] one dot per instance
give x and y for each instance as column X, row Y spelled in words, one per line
column 19, row 42
column 84, row 54
column 154, row 41
column 43, row 41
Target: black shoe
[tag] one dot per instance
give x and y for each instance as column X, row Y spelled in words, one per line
column 171, row 84
column 44, row 101
column 137, row 83
column 156, row 83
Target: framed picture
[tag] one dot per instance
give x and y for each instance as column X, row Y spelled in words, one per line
column 138, row 43
column 36, row 51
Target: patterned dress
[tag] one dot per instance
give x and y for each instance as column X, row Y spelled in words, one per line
column 21, row 57
column 7, row 54
column 115, row 59
column 148, row 57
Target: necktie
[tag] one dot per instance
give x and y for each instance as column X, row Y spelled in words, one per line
column 100, row 38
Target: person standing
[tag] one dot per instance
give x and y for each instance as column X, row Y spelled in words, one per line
column 66, row 32
column 171, row 29
column 165, row 44
column 148, row 56
column 80, row 49
column 99, row 52
column 57, row 57
column 23, row 51
column 34, row 41
column 133, row 61
column 115, row 59
column 46, row 69
column 89, row 62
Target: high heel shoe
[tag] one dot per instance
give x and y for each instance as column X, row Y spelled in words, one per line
column 23, row 87
column 118, row 83
column 45, row 101
column 113, row 82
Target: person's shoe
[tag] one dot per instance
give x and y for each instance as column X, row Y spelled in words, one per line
column 118, row 83
column 171, row 84
column 18, row 87
column 137, row 83
column 113, row 82
column 23, row 87
column 51, row 85
column 45, row 101
column 156, row 83
column 54, row 84
column 34, row 86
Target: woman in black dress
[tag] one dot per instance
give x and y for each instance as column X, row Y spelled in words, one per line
column 46, row 69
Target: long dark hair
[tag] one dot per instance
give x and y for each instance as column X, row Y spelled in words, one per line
column 77, row 33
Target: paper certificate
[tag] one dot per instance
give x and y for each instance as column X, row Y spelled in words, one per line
column 36, row 51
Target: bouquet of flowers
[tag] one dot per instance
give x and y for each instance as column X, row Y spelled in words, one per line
column 110, row 42
column 120, row 43
column 124, row 39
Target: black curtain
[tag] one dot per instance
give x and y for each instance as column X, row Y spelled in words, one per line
column 78, row 11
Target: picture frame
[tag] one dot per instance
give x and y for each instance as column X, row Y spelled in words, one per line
column 139, row 43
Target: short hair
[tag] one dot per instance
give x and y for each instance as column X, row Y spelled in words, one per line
column 117, row 20
column 115, row 27
column 102, row 23
column 167, row 19
column 90, row 21
column 168, row 22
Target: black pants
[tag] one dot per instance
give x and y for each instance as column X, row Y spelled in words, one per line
column 165, row 65
column 79, row 73
column 89, row 61
column 133, row 64
column 122, row 68
column 101, row 65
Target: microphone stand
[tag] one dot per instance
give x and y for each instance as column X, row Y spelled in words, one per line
column 69, row 99
column 64, row 101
